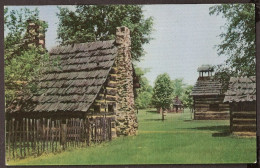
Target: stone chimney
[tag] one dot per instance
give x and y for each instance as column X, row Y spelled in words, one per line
column 126, row 120
column 35, row 34
column 123, row 37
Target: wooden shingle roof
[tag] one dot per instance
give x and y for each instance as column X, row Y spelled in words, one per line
column 74, row 84
column 207, row 87
column 241, row 89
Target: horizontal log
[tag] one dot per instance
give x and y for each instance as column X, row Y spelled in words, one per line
column 243, row 121
column 239, row 128
column 245, row 115
column 208, row 102
column 111, row 103
column 113, row 77
column 213, row 112
column 111, row 98
column 209, row 98
column 201, row 109
column 224, row 105
column 223, row 109
column 211, row 117
column 98, row 115
column 244, row 112
column 98, row 101
column 112, row 84
column 201, row 105
column 247, row 134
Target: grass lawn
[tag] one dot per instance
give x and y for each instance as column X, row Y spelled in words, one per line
column 176, row 140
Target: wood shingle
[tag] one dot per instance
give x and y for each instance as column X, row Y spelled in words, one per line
column 76, row 81
column 207, row 87
column 241, row 89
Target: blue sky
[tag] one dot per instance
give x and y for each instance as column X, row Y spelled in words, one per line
column 184, row 38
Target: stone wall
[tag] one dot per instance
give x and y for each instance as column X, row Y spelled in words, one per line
column 126, row 119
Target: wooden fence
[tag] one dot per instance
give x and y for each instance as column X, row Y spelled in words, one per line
column 25, row 137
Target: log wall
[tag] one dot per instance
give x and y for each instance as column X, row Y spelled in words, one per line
column 118, row 91
column 243, row 119
column 210, row 108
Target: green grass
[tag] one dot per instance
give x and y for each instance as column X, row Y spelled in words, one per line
column 177, row 140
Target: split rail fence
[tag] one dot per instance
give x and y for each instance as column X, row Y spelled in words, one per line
column 27, row 137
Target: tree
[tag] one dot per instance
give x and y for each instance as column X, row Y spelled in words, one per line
column 5, row 16
column 23, row 63
column 144, row 93
column 178, row 86
column 238, row 40
column 99, row 22
column 186, row 98
column 162, row 91
column 16, row 25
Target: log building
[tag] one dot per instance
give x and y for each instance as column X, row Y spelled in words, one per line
column 87, row 97
column 177, row 105
column 208, row 97
column 241, row 96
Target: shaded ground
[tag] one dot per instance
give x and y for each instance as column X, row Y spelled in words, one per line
column 176, row 140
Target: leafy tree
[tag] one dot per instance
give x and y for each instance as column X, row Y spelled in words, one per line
column 5, row 15
column 186, row 98
column 144, row 93
column 23, row 63
column 238, row 40
column 21, row 72
column 162, row 91
column 98, row 22
column 178, row 86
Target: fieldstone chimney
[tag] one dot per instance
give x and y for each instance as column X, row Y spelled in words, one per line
column 35, row 34
column 126, row 120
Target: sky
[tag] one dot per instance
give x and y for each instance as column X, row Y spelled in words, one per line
column 184, row 38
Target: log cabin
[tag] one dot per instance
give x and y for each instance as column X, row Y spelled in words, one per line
column 94, row 78
column 177, row 105
column 208, row 97
column 241, row 96
column 87, row 96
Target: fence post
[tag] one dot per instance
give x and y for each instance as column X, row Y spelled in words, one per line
column 63, row 134
column 9, row 123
